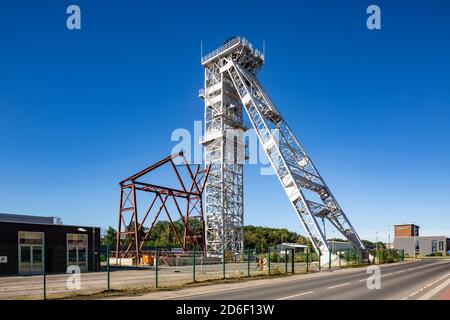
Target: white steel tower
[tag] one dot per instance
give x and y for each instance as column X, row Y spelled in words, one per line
column 230, row 84
column 225, row 152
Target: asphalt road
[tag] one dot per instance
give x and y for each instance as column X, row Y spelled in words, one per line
column 414, row 280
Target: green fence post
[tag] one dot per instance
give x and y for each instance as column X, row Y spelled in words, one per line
column 293, row 260
column 223, row 263
column 329, row 259
column 248, row 263
column 307, row 260
column 107, row 269
column 193, row 265
column 403, row 255
column 339, row 259
column 156, row 267
column 285, row 260
column 44, row 275
column 268, row 260
column 348, row 258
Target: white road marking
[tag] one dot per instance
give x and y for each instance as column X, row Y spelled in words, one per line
column 362, row 280
column 296, row 295
column 339, row 285
column 400, row 271
column 388, row 274
column 412, row 269
column 434, row 291
column 426, row 287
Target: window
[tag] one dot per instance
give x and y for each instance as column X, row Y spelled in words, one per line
column 77, row 246
column 441, row 245
column 433, row 246
column 77, row 239
column 31, row 237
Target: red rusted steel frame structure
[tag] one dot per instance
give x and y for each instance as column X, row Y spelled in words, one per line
column 190, row 190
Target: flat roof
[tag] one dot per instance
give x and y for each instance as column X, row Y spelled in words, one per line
column 420, row 237
column 36, row 220
column 295, row 245
column 25, row 218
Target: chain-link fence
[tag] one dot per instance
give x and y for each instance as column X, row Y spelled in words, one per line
column 32, row 273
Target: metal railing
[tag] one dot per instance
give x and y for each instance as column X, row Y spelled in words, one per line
column 231, row 43
column 219, row 50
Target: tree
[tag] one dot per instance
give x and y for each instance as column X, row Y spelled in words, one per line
column 261, row 237
column 109, row 237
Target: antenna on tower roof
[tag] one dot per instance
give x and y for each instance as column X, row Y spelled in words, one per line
column 201, row 50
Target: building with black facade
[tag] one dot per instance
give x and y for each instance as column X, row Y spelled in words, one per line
column 28, row 244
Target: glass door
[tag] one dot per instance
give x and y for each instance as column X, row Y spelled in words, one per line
column 82, row 258
column 24, row 259
column 72, row 256
column 36, row 259
column 31, row 252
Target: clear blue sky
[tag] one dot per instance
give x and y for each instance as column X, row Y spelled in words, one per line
column 79, row 110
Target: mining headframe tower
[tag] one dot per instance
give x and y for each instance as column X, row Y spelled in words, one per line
column 230, row 87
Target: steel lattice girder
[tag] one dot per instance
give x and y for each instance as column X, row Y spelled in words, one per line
column 189, row 193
